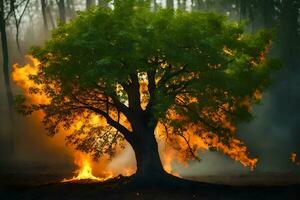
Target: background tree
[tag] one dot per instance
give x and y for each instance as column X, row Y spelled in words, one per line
column 62, row 10
column 7, row 10
column 103, row 3
column 44, row 14
column 186, row 72
column 49, row 11
column 170, row 3
column 18, row 20
column 90, row 3
column 71, row 9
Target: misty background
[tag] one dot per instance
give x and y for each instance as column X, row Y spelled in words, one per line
column 272, row 136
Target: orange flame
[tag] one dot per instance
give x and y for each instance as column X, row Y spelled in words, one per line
column 293, row 158
column 20, row 75
column 85, row 169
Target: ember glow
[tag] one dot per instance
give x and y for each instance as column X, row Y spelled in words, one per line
column 294, row 158
column 169, row 153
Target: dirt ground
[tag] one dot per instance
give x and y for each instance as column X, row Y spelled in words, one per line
column 29, row 189
column 45, row 183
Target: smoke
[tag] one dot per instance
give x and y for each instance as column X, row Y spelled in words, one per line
column 124, row 163
column 212, row 163
column 274, row 134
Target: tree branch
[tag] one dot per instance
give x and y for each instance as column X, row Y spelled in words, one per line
column 216, row 129
column 187, row 142
column 190, row 148
column 18, row 22
column 170, row 75
column 117, row 103
column 109, row 120
column 12, row 8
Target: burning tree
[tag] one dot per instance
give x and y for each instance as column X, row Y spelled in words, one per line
column 130, row 74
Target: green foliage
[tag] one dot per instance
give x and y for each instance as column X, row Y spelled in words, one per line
column 19, row 101
column 194, row 55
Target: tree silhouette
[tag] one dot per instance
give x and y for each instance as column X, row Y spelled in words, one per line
column 139, row 72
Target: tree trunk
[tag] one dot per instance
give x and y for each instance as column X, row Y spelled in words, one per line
column 196, row 5
column 243, row 9
column 181, row 4
column 44, row 5
column 289, row 38
column 102, row 3
column 170, row 4
column 9, row 94
column 62, row 10
column 149, row 167
column 268, row 9
column 71, row 13
column 90, row 3
column 49, row 12
column 154, row 5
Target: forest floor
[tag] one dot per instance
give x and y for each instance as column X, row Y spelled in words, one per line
column 41, row 183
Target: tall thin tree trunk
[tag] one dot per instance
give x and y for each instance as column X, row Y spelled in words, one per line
column 251, row 17
column 290, row 48
column 6, row 72
column 45, row 21
column 178, row 4
column 102, row 3
column 170, row 4
column 18, row 21
column 196, row 4
column 154, row 5
column 243, row 9
column 90, row 3
column 48, row 10
column 181, row 4
column 71, row 13
column 62, row 10
column 289, row 37
column 268, row 12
